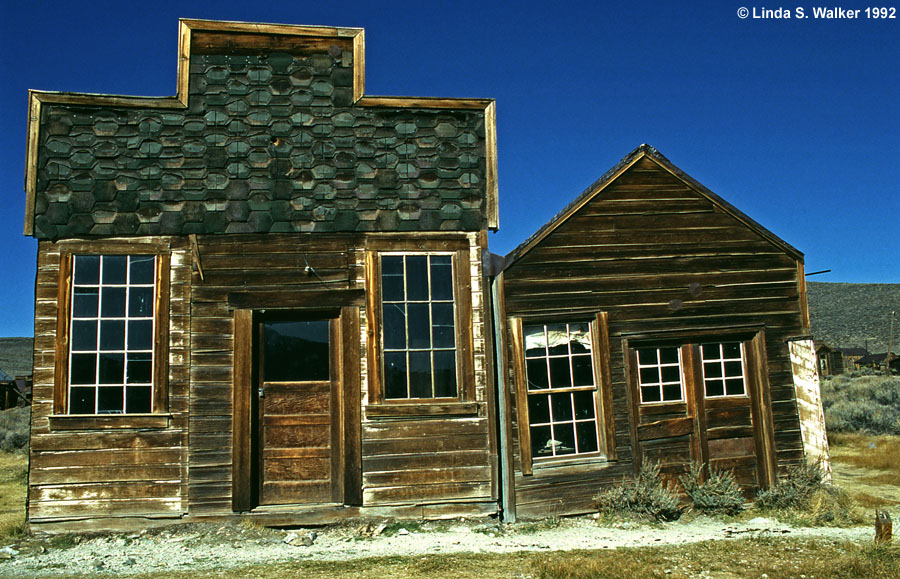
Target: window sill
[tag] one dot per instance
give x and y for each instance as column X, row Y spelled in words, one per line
column 573, row 461
column 390, row 410
column 108, row 421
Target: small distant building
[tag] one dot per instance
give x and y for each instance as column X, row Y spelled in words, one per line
column 877, row 361
column 851, row 355
column 830, row 361
column 14, row 391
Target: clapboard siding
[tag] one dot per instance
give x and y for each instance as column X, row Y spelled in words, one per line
column 658, row 255
column 108, row 471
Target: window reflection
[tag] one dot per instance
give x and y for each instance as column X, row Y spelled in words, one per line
column 296, row 351
column 418, row 326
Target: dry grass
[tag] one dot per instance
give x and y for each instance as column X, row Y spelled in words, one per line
column 868, row 468
column 869, row 501
column 777, row 558
column 875, row 452
column 13, row 472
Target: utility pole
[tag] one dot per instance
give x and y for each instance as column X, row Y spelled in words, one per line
column 887, row 357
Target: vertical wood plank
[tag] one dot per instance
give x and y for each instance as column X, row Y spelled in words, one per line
column 336, row 345
column 161, row 345
column 521, row 387
column 507, row 471
column 697, row 389
column 352, row 404
column 61, row 370
column 465, row 347
column 241, row 392
column 490, row 327
column 690, row 396
column 603, row 377
column 373, row 329
column 804, row 305
column 633, row 401
column 761, row 410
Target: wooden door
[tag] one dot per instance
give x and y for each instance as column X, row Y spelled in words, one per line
column 664, row 408
column 299, row 411
column 698, row 403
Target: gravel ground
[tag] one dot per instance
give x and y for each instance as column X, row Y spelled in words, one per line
column 213, row 546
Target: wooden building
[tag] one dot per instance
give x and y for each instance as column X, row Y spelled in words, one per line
column 270, row 297
column 830, row 360
column 650, row 318
column 262, row 297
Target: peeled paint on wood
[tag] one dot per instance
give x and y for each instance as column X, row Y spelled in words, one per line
column 809, row 404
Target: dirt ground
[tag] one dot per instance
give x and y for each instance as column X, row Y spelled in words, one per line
column 209, row 548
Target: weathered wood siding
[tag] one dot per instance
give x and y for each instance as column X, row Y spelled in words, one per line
column 436, row 458
column 405, row 461
column 267, row 267
column 120, row 469
column 634, row 251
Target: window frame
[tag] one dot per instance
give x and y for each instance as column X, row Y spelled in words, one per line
column 464, row 401
column 605, row 421
column 157, row 417
column 550, row 390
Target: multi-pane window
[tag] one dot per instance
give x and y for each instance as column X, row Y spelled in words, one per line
column 562, row 409
column 723, row 369
column 659, row 374
column 419, row 326
column 111, row 334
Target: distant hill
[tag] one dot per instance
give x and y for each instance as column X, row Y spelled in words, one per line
column 845, row 315
column 16, row 356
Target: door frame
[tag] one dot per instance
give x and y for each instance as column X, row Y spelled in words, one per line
column 245, row 482
column 335, row 403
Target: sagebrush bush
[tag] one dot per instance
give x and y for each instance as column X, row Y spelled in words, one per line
column 718, row 494
column 14, row 428
column 862, row 403
column 793, row 489
column 644, row 495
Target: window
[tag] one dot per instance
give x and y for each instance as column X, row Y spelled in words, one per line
column 419, row 330
column 296, row 351
column 723, row 369
column 659, row 374
column 561, row 387
column 111, row 331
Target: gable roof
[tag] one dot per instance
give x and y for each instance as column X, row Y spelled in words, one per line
column 597, row 188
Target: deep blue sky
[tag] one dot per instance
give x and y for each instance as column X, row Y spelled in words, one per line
column 795, row 122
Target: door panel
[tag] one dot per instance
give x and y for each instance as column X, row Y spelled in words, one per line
column 298, row 411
